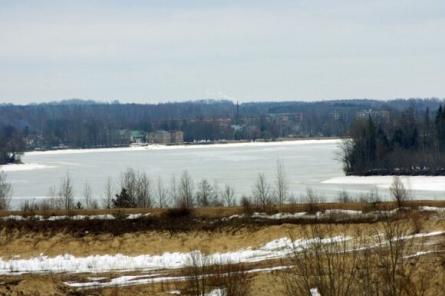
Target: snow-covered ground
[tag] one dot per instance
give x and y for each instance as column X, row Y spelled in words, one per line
column 279, row 248
column 421, row 183
column 151, row 278
column 275, row 249
column 327, row 214
column 23, row 167
column 75, row 217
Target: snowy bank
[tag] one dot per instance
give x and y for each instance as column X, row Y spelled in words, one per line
column 75, row 217
column 421, row 183
column 191, row 146
column 275, row 249
column 23, row 167
column 129, row 280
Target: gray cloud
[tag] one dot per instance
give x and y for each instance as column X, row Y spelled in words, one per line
column 149, row 51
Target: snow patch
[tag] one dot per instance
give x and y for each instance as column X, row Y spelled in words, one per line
column 76, row 217
column 216, row 292
column 421, row 183
column 278, row 216
column 432, row 209
column 275, row 249
column 24, row 167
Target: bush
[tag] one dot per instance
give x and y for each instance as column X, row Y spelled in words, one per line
column 390, row 266
column 246, row 205
column 311, row 201
column 178, row 213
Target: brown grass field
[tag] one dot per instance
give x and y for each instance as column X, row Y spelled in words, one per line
column 389, row 271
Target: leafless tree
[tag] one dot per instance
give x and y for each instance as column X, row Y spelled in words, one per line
column 66, row 192
column 281, row 185
column 54, row 201
column 398, row 191
column 138, row 188
column 129, row 182
column 89, row 203
column 161, row 194
column 228, row 196
column 204, row 194
column 311, row 201
column 173, row 191
column 143, row 191
column 186, row 190
column 108, row 192
column 216, row 201
column 261, row 192
column 5, row 192
column 321, row 265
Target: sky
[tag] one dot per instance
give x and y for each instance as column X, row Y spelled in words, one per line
column 158, row 51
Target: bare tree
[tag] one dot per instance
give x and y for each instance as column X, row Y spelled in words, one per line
column 261, row 192
column 311, row 201
column 87, row 196
column 281, row 185
column 398, row 191
column 161, row 194
column 108, row 199
column 321, row 267
column 137, row 186
column 215, row 197
column 66, row 193
column 143, row 191
column 204, row 194
column 5, row 192
column 54, row 201
column 186, row 191
column 129, row 182
column 173, row 191
column 228, row 196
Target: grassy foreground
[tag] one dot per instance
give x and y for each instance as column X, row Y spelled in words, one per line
column 385, row 255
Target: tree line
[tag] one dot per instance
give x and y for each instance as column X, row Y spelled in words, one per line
column 87, row 124
column 412, row 143
column 135, row 189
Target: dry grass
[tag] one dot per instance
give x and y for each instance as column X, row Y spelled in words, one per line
column 219, row 212
column 365, row 273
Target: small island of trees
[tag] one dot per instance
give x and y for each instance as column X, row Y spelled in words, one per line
column 410, row 144
column 11, row 145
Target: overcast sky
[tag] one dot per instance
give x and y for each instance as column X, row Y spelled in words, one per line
column 155, row 51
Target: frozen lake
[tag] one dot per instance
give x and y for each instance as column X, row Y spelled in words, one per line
column 308, row 164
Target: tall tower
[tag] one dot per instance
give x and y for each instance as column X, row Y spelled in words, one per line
column 237, row 113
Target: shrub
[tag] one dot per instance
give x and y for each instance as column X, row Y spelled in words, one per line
column 178, row 213
column 246, row 205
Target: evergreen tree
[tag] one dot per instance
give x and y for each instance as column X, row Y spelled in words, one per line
column 124, row 200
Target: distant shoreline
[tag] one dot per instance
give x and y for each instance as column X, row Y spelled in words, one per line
column 215, row 144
